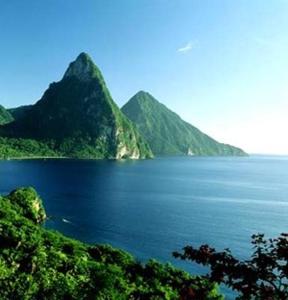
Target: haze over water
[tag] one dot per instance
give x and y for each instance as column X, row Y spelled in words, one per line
column 153, row 207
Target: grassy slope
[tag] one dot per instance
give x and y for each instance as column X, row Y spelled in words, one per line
column 36, row 263
column 167, row 133
column 5, row 116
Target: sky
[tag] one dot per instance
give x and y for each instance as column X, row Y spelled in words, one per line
column 221, row 65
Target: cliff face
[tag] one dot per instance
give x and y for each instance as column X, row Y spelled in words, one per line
column 78, row 118
column 167, row 133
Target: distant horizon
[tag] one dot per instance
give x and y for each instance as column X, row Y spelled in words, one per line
column 220, row 66
column 268, row 154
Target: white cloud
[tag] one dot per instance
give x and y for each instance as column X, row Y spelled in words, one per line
column 188, row 47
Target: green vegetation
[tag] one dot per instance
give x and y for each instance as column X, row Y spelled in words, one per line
column 5, row 116
column 36, row 263
column 262, row 277
column 167, row 133
column 19, row 112
column 78, row 118
column 80, row 148
column 25, row 148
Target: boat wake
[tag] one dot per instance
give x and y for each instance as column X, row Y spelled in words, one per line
column 66, row 221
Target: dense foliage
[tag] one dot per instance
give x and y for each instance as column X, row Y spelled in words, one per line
column 167, row 133
column 36, row 263
column 80, row 148
column 79, row 115
column 263, row 277
column 25, row 148
column 5, row 116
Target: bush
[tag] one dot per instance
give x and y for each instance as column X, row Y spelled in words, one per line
column 263, row 276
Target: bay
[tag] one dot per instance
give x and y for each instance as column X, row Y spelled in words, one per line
column 154, row 207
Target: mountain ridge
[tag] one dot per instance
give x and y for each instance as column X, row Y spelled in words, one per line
column 167, row 133
column 77, row 117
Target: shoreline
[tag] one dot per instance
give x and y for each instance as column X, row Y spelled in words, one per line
column 68, row 158
column 33, row 157
column 115, row 159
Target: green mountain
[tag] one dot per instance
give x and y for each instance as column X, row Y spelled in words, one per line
column 77, row 117
column 36, row 263
column 5, row 116
column 19, row 112
column 167, row 133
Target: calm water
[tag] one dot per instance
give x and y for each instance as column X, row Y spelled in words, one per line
column 154, row 207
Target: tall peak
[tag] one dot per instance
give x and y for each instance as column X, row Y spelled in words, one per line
column 84, row 58
column 83, row 68
column 143, row 97
column 141, row 101
column 84, row 55
column 142, row 94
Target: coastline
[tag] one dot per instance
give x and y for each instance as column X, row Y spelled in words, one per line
column 121, row 159
column 33, row 157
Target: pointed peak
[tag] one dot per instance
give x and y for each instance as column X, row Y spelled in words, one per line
column 143, row 97
column 83, row 68
column 143, row 94
column 142, row 100
column 83, row 57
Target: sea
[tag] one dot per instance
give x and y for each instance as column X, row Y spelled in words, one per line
column 154, row 207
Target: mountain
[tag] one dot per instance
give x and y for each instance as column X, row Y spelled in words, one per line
column 77, row 117
column 19, row 112
column 5, row 116
column 167, row 133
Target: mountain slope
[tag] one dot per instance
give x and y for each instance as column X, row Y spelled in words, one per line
column 167, row 133
column 5, row 116
column 19, row 112
column 77, row 117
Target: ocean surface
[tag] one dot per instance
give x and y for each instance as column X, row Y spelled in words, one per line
column 153, row 207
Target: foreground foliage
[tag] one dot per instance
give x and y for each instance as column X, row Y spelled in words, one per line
column 36, row 263
column 264, row 276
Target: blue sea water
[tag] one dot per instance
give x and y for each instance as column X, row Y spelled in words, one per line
column 153, row 207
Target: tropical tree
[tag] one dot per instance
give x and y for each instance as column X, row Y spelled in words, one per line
column 263, row 276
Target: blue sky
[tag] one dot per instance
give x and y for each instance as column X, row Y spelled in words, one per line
column 222, row 65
